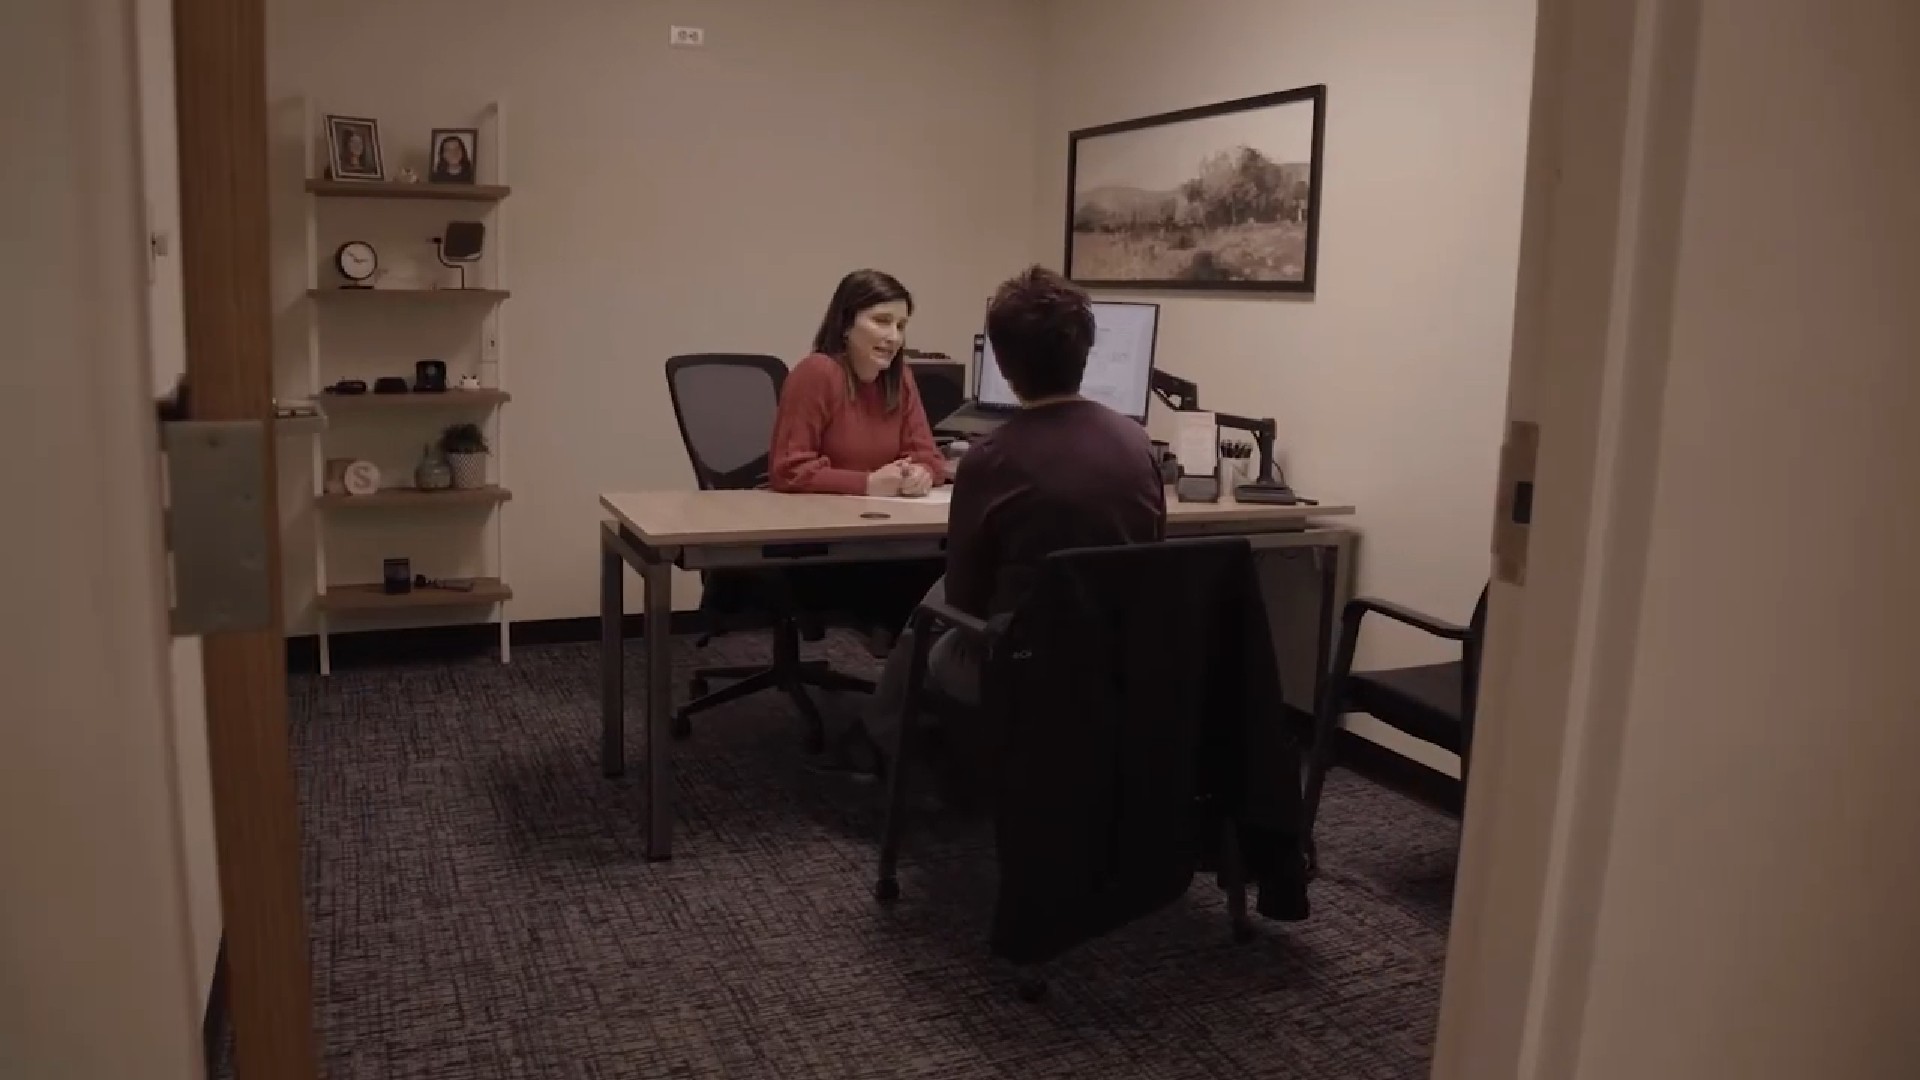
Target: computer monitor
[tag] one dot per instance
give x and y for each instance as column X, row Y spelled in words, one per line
column 1119, row 368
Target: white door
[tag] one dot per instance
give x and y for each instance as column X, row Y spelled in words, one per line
column 96, row 963
column 167, row 354
column 108, row 920
column 1690, row 849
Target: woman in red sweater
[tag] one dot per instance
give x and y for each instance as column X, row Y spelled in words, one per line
column 850, row 423
column 850, row 420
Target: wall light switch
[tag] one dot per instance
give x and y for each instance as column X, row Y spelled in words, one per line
column 686, row 37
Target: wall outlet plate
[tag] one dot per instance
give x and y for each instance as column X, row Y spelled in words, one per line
column 686, row 37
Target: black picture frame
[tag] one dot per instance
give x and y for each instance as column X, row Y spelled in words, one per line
column 438, row 171
column 371, row 166
column 1242, row 221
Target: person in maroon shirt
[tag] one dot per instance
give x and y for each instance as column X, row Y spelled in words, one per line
column 1064, row 472
column 850, row 423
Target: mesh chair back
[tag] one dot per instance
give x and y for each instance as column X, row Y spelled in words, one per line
column 725, row 405
column 943, row 387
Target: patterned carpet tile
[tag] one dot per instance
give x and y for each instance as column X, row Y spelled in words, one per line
column 482, row 909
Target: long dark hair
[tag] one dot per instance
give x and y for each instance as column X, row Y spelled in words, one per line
column 856, row 293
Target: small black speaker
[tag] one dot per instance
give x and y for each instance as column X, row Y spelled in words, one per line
column 396, row 576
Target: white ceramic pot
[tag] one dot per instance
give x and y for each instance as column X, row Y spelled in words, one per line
column 469, row 470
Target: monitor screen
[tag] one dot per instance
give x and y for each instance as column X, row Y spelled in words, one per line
column 1119, row 369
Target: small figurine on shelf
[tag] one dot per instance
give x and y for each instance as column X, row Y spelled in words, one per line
column 409, row 175
column 465, row 447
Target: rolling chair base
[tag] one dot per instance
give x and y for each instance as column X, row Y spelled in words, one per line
column 788, row 672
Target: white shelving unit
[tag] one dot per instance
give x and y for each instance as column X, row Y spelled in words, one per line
column 423, row 414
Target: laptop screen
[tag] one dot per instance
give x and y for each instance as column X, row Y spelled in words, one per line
column 1119, row 368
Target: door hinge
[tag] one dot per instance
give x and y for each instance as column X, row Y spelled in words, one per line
column 216, row 524
column 1513, row 509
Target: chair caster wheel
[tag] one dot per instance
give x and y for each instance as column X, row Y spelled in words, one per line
column 681, row 727
column 698, row 688
column 887, row 889
column 1031, row 988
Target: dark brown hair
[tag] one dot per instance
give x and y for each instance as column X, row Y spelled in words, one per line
column 1041, row 327
column 856, row 293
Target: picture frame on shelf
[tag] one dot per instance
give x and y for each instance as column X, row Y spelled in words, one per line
column 353, row 148
column 1222, row 197
column 453, row 155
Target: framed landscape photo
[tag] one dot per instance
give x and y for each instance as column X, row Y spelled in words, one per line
column 1219, row 197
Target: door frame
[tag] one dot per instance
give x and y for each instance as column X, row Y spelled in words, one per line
column 1603, row 175
column 220, row 50
column 1606, row 167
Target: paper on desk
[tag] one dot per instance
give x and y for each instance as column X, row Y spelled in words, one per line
column 1196, row 442
column 940, row 495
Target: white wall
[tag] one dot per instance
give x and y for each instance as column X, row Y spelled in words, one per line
column 1758, row 912
column 671, row 201
column 95, row 958
column 166, row 337
column 678, row 200
column 1390, row 384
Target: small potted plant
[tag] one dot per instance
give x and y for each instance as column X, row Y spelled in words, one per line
column 465, row 447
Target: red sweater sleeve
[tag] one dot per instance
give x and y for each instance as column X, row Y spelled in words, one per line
column 795, row 463
column 916, row 435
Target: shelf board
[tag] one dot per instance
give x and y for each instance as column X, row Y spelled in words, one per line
column 393, row 189
column 403, row 497
column 362, row 295
column 446, row 399
column 371, row 597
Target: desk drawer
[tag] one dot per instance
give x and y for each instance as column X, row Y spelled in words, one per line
column 736, row 556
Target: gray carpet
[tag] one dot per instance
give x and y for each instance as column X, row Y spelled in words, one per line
column 481, row 908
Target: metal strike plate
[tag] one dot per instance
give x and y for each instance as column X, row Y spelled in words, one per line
column 217, row 525
column 1513, row 508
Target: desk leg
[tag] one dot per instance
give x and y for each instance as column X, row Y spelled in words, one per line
column 1347, row 553
column 1336, row 562
column 613, row 686
column 659, row 581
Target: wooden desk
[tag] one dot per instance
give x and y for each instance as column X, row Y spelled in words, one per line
column 654, row 532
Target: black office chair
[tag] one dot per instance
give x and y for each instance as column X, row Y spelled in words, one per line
column 943, row 387
column 1431, row 702
column 725, row 405
column 1130, row 734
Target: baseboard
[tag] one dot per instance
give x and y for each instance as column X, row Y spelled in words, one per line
column 214, row 1019
column 1387, row 768
column 366, row 648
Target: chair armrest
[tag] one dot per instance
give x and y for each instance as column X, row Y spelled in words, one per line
column 933, row 613
column 1437, row 627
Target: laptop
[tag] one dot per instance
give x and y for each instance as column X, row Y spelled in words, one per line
column 1119, row 371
